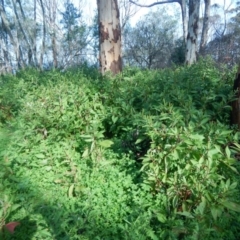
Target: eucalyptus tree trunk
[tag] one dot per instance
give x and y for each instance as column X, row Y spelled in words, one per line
column 53, row 35
column 14, row 42
column 35, row 33
column 191, row 46
column 205, row 29
column 6, row 65
column 183, row 5
column 24, row 33
column 109, row 36
column 43, row 35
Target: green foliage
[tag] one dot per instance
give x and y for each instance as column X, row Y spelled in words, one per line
column 143, row 155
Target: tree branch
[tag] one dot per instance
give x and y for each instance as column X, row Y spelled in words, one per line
column 155, row 3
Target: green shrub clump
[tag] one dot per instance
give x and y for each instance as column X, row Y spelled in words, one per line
column 143, row 155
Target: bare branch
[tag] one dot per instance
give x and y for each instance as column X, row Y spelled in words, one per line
column 155, row 3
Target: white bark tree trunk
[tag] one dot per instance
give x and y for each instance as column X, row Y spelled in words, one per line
column 44, row 32
column 25, row 36
column 183, row 6
column 14, row 42
column 205, row 28
column 109, row 36
column 191, row 46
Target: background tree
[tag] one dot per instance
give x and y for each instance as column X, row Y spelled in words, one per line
column 127, row 11
column 205, row 28
column 74, row 35
column 5, row 58
column 149, row 44
column 109, row 36
column 223, row 47
column 46, row 34
column 183, row 6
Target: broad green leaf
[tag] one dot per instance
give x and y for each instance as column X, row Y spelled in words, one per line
column 48, row 168
column 85, row 153
column 228, row 153
column 58, row 181
column 114, row 119
column 231, row 205
column 233, row 185
column 15, row 206
column 205, row 120
column 212, row 152
column 106, row 143
column 186, row 214
column 70, row 191
column 226, row 132
column 139, row 140
column 202, row 205
column 196, row 137
column 161, row 217
column 40, row 155
column 216, row 212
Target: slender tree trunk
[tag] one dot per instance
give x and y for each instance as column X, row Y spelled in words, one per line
column 54, row 50
column 205, row 29
column 29, row 38
column 53, row 34
column 109, row 36
column 183, row 6
column 191, row 47
column 30, row 50
column 4, row 46
column 14, row 42
column 35, row 33
column 43, row 35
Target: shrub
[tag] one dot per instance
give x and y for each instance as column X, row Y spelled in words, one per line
column 142, row 155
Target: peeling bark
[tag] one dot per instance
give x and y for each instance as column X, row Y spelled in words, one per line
column 191, row 46
column 109, row 36
column 205, row 29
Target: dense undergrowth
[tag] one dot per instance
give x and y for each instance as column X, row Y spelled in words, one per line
column 144, row 155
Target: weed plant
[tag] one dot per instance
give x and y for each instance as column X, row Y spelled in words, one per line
column 143, row 155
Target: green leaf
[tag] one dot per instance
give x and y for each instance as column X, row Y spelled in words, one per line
column 106, row 143
column 85, row 153
column 226, row 132
column 204, row 121
column 233, row 185
column 216, row 212
column 186, row 214
column 231, row 205
column 40, row 155
column 228, row 153
column 139, row 140
column 15, row 206
column 114, row 119
column 196, row 137
column 48, row 168
column 202, row 205
column 70, row 191
column 161, row 217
